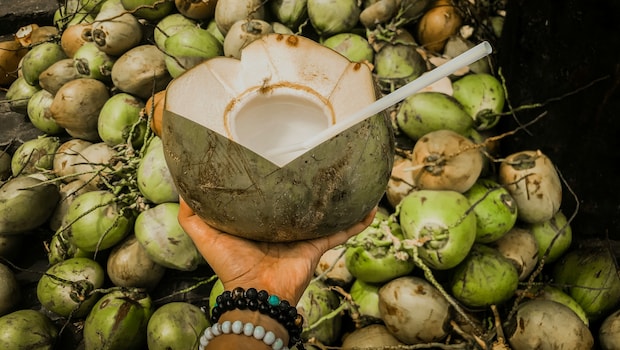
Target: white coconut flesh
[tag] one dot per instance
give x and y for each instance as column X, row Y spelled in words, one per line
column 284, row 90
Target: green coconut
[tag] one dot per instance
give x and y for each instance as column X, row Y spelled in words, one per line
column 317, row 301
column 371, row 256
column 118, row 321
column 482, row 96
column 494, row 207
column 553, row 236
column 39, row 58
column 154, row 179
column 442, row 224
column 25, row 204
column 164, row 240
column 590, row 276
column 35, row 155
column 67, row 288
column 27, row 329
column 176, row 325
column 484, row 278
column 222, row 118
column 353, row 46
column 428, row 111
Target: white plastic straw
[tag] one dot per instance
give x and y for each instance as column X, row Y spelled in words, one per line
column 466, row 58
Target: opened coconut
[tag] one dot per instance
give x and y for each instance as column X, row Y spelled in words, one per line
column 224, row 117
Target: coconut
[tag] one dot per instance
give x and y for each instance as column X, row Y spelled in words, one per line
column 118, row 321
column 532, row 180
column 11, row 53
column 609, row 332
column 119, row 121
column 60, row 249
column 39, row 58
column 398, row 63
column 67, row 288
column 74, row 36
column 553, row 237
column 332, row 267
column 374, row 336
column 19, row 93
column 25, row 204
column 456, row 45
column 445, row 160
column 154, row 179
column 27, row 329
column 223, row 117
column 67, row 156
column 482, row 96
column 545, row 324
column 401, row 181
column 164, row 240
column 378, row 12
column 95, row 222
column 242, row 33
column 76, row 107
column 91, row 62
column 9, row 290
column 353, row 46
column 39, row 115
column 198, row 10
column 151, row 10
column 552, row 293
column 57, row 75
column 590, row 276
column 413, row 310
column 484, row 278
column 115, row 30
column 330, row 17
column 129, row 265
column 227, row 12
column 519, row 246
column 366, row 298
column 317, row 301
column 495, row 209
column 91, row 164
column 169, row 25
column 437, row 24
column 189, row 46
column 153, row 111
column 176, row 325
column 291, row 13
column 141, row 71
column 34, row 155
column 428, row 111
column 372, row 256
column 442, row 223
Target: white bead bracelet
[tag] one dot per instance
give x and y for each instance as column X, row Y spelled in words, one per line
column 247, row 329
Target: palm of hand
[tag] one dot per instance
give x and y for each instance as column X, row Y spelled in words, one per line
column 283, row 269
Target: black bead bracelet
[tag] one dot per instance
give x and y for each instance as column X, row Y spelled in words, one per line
column 261, row 301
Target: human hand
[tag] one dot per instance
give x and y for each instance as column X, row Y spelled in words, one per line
column 282, row 269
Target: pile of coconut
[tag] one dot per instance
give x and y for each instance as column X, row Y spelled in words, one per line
column 140, row 101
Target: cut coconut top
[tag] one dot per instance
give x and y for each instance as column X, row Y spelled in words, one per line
column 284, row 89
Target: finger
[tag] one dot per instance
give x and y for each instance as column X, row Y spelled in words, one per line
column 184, row 210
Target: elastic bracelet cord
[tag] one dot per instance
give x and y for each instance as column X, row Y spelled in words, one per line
column 238, row 327
column 271, row 305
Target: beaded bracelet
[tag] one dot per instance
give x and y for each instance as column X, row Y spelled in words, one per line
column 271, row 305
column 238, row 327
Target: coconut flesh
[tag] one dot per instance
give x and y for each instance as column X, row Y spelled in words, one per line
column 223, row 116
